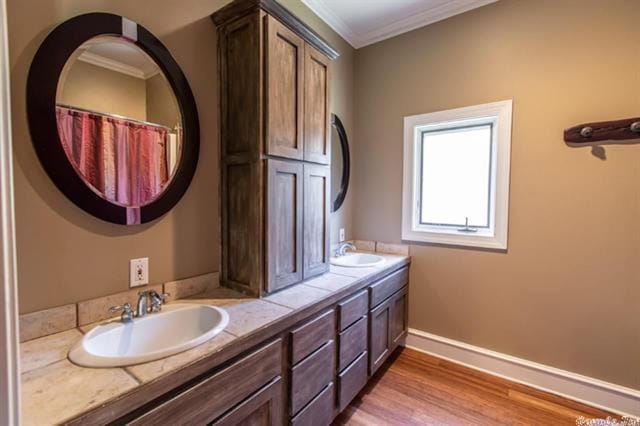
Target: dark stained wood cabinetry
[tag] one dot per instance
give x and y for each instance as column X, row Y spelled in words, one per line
column 209, row 399
column 379, row 344
column 312, row 375
column 317, row 146
column 263, row 408
column 304, row 374
column 320, row 410
column 312, row 366
column 284, row 55
column 275, row 121
column 284, row 223
column 316, row 219
column 351, row 380
column 398, row 318
column 387, row 319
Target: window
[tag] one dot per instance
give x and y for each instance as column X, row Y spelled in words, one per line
column 456, row 176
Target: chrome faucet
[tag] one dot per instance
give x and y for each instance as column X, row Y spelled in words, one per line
column 143, row 298
column 157, row 300
column 342, row 249
column 152, row 296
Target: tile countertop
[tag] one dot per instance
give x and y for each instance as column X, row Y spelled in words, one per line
column 54, row 390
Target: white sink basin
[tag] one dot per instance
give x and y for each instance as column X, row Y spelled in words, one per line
column 357, row 260
column 176, row 328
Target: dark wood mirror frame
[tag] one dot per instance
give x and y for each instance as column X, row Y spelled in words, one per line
column 42, row 84
column 344, row 147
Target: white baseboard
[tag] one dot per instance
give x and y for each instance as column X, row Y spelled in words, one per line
column 594, row 392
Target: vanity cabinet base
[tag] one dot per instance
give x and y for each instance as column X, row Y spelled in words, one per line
column 304, row 375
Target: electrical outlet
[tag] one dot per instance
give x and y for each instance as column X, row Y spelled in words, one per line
column 138, row 272
column 342, row 237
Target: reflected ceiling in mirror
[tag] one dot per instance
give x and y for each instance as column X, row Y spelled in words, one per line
column 118, row 121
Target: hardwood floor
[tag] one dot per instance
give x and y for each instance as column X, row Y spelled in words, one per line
column 413, row 388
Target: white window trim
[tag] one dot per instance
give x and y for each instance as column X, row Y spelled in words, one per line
column 501, row 114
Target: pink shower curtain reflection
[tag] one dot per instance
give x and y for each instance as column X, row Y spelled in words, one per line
column 123, row 161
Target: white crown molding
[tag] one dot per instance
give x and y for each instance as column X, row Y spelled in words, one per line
column 334, row 21
column 113, row 65
column 438, row 13
column 587, row 390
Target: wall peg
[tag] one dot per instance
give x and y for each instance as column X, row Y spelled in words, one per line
column 618, row 130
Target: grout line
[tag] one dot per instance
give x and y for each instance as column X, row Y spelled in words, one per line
column 130, row 373
column 281, row 305
column 48, row 365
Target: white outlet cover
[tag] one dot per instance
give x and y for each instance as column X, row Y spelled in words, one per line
column 341, row 237
column 138, row 272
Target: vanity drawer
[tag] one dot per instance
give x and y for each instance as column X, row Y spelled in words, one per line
column 310, row 336
column 352, row 309
column 352, row 342
column 310, row 376
column 352, row 380
column 384, row 288
column 262, row 408
column 319, row 412
column 210, row 398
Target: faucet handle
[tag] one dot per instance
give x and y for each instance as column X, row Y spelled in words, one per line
column 157, row 300
column 127, row 313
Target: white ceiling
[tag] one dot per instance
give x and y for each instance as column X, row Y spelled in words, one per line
column 363, row 22
column 118, row 54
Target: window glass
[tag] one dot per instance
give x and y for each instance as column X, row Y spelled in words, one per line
column 456, row 176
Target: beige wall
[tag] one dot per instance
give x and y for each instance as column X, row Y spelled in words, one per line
column 567, row 293
column 100, row 89
column 66, row 255
column 161, row 103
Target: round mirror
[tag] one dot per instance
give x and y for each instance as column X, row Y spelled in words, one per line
column 112, row 118
column 340, row 163
column 118, row 121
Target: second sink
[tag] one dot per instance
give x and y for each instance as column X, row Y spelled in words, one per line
column 358, row 260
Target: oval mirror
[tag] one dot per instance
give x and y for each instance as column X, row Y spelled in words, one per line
column 340, row 163
column 125, row 142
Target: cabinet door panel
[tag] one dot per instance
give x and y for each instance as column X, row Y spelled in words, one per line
column 398, row 316
column 317, row 147
column 240, row 68
column 379, row 344
column 284, row 80
column 284, row 224
column 316, row 219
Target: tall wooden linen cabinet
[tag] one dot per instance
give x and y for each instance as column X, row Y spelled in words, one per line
column 275, row 148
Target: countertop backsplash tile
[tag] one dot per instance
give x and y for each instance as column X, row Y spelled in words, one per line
column 191, row 286
column 48, row 321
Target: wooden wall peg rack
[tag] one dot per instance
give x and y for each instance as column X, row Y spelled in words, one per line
column 604, row 131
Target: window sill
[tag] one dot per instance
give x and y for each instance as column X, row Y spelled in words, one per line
column 479, row 240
